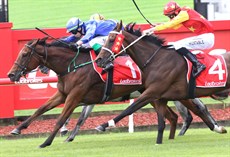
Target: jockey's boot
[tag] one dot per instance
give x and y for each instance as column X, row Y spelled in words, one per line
column 199, row 67
column 97, row 48
column 44, row 69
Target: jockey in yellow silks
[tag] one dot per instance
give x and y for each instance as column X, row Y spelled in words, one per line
column 193, row 21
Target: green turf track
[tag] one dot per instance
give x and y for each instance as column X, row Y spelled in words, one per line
column 122, row 106
column 55, row 13
column 196, row 143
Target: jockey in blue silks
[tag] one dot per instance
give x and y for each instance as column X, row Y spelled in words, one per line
column 92, row 33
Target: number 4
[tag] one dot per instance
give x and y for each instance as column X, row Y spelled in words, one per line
column 217, row 69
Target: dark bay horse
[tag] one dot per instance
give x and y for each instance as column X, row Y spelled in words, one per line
column 75, row 88
column 164, row 71
column 81, row 87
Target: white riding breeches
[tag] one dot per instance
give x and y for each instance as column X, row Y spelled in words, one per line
column 200, row 42
column 97, row 40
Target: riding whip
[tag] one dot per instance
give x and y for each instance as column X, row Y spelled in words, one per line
column 141, row 13
column 51, row 36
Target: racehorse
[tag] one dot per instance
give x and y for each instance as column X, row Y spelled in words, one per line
column 164, row 71
column 79, row 86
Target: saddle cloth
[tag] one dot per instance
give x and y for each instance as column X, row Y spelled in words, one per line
column 215, row 74
column 125, row 71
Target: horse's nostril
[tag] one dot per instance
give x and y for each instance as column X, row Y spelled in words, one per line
column 10, row 75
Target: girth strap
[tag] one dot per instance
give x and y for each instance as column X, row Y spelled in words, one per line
column 108, row 85
column 191, row 86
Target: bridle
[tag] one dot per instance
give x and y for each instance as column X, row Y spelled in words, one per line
column 115, row 54
column 33, row 54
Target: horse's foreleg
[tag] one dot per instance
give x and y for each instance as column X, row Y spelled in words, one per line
column 186, row 116
column 64, row 129
column 84, row 115
column 139, row 103
column 68, row 109
column 54, row 101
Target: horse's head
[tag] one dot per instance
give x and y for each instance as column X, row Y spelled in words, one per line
column 130, row 40
column 28, row 59
column 112, row 46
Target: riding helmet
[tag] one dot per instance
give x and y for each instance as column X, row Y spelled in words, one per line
column 73, row 24
column 171, row 8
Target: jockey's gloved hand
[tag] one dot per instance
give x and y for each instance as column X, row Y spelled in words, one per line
column 74, row 46
column 148, row 31
column 108, row 66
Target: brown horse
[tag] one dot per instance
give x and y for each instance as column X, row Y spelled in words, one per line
column 164, row 71
column 79, row 86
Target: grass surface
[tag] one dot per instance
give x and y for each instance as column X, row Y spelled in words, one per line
column 196, row 142
column 99, row 108
column 55, row 13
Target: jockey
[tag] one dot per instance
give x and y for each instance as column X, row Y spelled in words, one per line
column 193, row 21
column 92, row 33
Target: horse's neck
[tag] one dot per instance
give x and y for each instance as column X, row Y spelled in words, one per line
column 143, row 52
column 59, row 59
column 150, row 55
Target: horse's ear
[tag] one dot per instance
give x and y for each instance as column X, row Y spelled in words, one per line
column 121, row 25
column 43, row 40
column 132, row 27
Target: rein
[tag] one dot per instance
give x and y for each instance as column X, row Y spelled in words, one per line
column 148, row 61
column 75, row 67
column 113, row 55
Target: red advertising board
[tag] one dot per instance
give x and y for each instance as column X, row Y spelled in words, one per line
column 33, row 95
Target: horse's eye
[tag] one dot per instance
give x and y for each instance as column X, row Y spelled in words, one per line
column 112, row 38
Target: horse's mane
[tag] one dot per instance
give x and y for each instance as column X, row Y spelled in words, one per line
column 151, row 38
column 59, row 43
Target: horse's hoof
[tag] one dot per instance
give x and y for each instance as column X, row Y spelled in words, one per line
column 15, row 132
column 182, row 132
column 157, row 143
column 69, row 139
column 220, row 129
column 63, row 133
column 43, row 145
column 100, row 128
column 223, row 130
